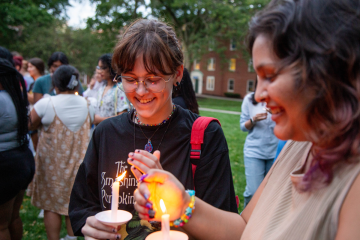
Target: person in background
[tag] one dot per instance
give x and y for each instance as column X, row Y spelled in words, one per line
column 94, row 86
column 17, row 164
column 66, row 120
column 36, row 69
column 28, row 79
column 280, row 146
column 43, row 84
column 307, row 57
column 111, row 101
column 184, row 94
column 260, row 144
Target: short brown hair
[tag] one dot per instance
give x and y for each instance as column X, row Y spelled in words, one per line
column 155, row 40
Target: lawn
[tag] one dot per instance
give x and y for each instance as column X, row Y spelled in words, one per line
column 34, row 227
column 221, row 104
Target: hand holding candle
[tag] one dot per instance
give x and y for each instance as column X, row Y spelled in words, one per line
column 115, row 197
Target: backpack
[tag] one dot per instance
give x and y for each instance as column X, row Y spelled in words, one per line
column 197, row 138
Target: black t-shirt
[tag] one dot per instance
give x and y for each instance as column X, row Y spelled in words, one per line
column 107, row 154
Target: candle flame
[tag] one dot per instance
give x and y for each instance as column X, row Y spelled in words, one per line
column 76, row 93
column 121, row 177
column 162, row 205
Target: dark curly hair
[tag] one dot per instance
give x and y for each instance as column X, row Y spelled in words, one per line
column 106, row 60
column 320, row 41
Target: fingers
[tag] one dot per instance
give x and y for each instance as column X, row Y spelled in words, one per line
column 94, row 229
column 142, row 205
column 143, row 160
column 136, row 172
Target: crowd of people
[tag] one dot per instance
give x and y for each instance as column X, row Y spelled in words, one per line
column 67, row 146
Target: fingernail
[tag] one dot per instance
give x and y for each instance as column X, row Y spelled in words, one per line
column 137, row 151
column 142, row 178
column 131, row 154
column 118, row 237
column 114, row 230
column 149, row 205
column 146, row 196
column 130, row 159
column 151, row 213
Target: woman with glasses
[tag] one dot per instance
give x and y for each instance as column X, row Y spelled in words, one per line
column 110, row 100
column 307, row 57
column 148, row 62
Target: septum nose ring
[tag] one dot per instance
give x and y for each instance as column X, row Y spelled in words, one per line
column 263, row 96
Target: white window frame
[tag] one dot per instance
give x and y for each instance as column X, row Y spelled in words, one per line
column 210, row 83
column 232, row 45
column 210, row 67
column 228, row 86
column 211, row 45
column 250, row 66
column 248, row 85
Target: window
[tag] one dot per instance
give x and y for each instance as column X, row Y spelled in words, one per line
column 232, row 65
column 250, row 86
column 211, row 45
column 210, row 83
column 231, row 85
column 250, row 66
column 232, row 45
column 211, row 64
column 196, row 65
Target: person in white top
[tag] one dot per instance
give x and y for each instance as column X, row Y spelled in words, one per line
column 65, row 121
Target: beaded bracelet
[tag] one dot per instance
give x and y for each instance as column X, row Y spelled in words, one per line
column 188, row 212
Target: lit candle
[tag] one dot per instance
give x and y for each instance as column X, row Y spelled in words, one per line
column 115, row 197
column 165, row 224
column 76, row 93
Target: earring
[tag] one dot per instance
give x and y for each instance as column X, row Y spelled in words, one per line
column 177, row 87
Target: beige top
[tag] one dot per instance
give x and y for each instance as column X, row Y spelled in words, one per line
column 284, row 213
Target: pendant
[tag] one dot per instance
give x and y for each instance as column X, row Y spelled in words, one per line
column 149, row 146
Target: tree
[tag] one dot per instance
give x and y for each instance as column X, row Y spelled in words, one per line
column 18, row 15
column 199, row 24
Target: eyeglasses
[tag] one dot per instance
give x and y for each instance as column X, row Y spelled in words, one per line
column 129, row 84
column 101, row 68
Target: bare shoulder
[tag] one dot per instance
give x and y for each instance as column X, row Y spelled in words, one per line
column 349, row 218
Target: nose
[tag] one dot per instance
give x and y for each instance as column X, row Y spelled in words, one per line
column 141, row 88
column 261, row 93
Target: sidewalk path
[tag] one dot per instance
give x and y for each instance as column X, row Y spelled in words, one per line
column 220, row 111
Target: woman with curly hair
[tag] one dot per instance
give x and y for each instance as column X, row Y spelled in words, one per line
column 307, row 57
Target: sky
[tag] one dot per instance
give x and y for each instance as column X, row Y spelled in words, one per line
column 79, row 12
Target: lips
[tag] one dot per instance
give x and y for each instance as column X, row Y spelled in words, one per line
column 276, row 112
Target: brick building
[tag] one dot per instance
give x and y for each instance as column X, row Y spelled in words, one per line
column 215, row 76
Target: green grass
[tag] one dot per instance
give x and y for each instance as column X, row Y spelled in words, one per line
column 34, row 227
column 219, row 104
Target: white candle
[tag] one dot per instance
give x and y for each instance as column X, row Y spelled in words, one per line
column 115, row 197
column 115, row 200
column 165, row 223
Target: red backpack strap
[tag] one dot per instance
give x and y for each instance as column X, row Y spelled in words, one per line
column 197, row 138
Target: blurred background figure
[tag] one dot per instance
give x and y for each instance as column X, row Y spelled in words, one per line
column 17, row 164
column 28, row 79
column 260, row 144
column 95, row 84
column 44, row 84
column 66, row 120
column 36, row 69
column 111, row 101
column 184, row 94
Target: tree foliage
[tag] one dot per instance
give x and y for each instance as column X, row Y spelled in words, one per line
column 199, row 24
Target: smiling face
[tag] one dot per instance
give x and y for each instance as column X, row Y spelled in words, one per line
column 104, row 71
column 152, row 108
column 279, row 92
